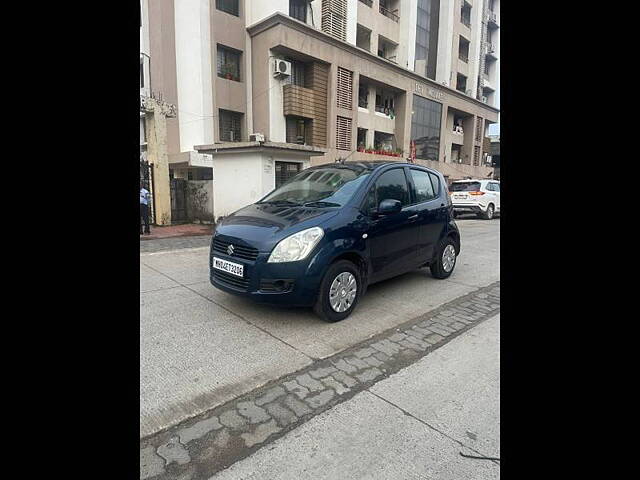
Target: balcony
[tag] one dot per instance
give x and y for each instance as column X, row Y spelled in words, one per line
column 492, row 51
column 389, row 14
column 299, row 101
column 492, row 19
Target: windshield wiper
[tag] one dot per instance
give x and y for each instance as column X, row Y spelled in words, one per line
column 281, row 202
column 320, row 203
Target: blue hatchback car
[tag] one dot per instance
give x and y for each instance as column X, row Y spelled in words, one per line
column 326, row 234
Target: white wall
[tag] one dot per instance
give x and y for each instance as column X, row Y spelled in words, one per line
column 277, row 122
column 256, row 10
column 445, row 33
column 352, row 20
column 408, row 20
column 193, row 72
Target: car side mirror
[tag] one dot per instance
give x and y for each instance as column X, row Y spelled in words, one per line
column 389, row 206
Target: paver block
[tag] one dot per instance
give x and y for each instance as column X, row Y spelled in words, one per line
column 261, row 433
column 174, row 451
column 295, row 387
column 344, row 366
column 254, row 413
column 300, row 408
column 320, row 399
column 345, row 379
column 356, row 362
column 283, row 415
column 270, row 395
column 387, row 347
column 369, row 375
column 337, row 386
column 198, row 430
column 433, row 338
column 306, row 381
column 231, row 419
column 373, row 361
column 322, row 372
column 396, row 337
column 364, row 352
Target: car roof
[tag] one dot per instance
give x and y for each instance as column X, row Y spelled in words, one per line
column 373, row 165
column 476, row 180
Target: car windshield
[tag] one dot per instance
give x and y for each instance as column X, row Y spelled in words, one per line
column 465, row 187
column 320, row 187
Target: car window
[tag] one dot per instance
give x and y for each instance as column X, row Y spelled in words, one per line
column 496, row 187
column 465, row 187
column 489, row 187
column 423, row 186
column 435, row 181
column 392, row 185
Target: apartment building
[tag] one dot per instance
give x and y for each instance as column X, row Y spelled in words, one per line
column 345, row 79
column 145, row 57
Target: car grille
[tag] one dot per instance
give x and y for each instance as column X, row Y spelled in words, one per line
column 239, row 251
column 231, row 281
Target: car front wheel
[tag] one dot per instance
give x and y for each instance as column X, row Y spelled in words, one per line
column 445, row 260
column 339, row 292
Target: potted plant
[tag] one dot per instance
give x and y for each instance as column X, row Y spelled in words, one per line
column 228, row 70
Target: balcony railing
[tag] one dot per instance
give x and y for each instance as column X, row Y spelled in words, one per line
column 390, row 14
column 492, row 18
column 368, row 3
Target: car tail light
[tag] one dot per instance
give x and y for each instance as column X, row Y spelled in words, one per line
column 476, row 193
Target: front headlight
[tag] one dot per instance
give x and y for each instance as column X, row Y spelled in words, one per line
column 297, row 246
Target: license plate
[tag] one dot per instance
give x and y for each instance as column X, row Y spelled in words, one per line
column 229, row 267
column 459, row 196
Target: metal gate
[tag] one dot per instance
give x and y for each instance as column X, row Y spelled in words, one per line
column 178, row 200
column 286, row 170
column 146, row 180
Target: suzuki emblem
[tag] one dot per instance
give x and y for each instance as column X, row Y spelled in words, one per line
column 230, row 250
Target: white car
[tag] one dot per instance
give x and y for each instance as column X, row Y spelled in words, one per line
column 481, row 197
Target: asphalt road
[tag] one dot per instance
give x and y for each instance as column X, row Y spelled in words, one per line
column 200, row 347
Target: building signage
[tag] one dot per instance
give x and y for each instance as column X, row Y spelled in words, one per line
column 424, row 91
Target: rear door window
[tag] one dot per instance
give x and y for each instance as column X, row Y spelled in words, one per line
column 423, row 187
column 465, row 187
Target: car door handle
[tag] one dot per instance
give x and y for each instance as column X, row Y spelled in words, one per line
column 413, row 217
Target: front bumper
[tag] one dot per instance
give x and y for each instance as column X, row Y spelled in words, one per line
column 290, row 283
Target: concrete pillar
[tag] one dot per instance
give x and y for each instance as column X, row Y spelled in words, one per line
column 159, row 158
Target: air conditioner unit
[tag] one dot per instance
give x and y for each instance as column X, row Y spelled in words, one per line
column 256, row 137
column 281, row 68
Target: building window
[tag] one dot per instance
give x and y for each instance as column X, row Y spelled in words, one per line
column 141, row 73
column 228, row 61
column 486, row 68
column 476, row 156
column 463, row 49
column 298, row 10
column 230, row 126
column 229, row 6
column 385, row 142
column 298, row 73
column 478, row 129
column 363, row 95
column 362, row 138
column 465, row 14
column 461, row 83
column 385, row 102
column 343, row 133
column 363, row 38
column 344, row 89
column 334, row 18
column 297, row 130
column 286, row 170
column 427, row 38
column 425, row 128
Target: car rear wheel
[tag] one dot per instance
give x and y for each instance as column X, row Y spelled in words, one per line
column 445, row 261
column 488, row 215
column 339, row 292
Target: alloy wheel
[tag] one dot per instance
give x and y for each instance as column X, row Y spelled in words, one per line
column 448, row 258
column 343, row 292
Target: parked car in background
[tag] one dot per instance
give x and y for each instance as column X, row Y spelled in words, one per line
column 326, row 234
column 481, row 197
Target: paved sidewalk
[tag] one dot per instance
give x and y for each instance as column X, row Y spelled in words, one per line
column 200, row 447
column 186, row 230
column 424, row 422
